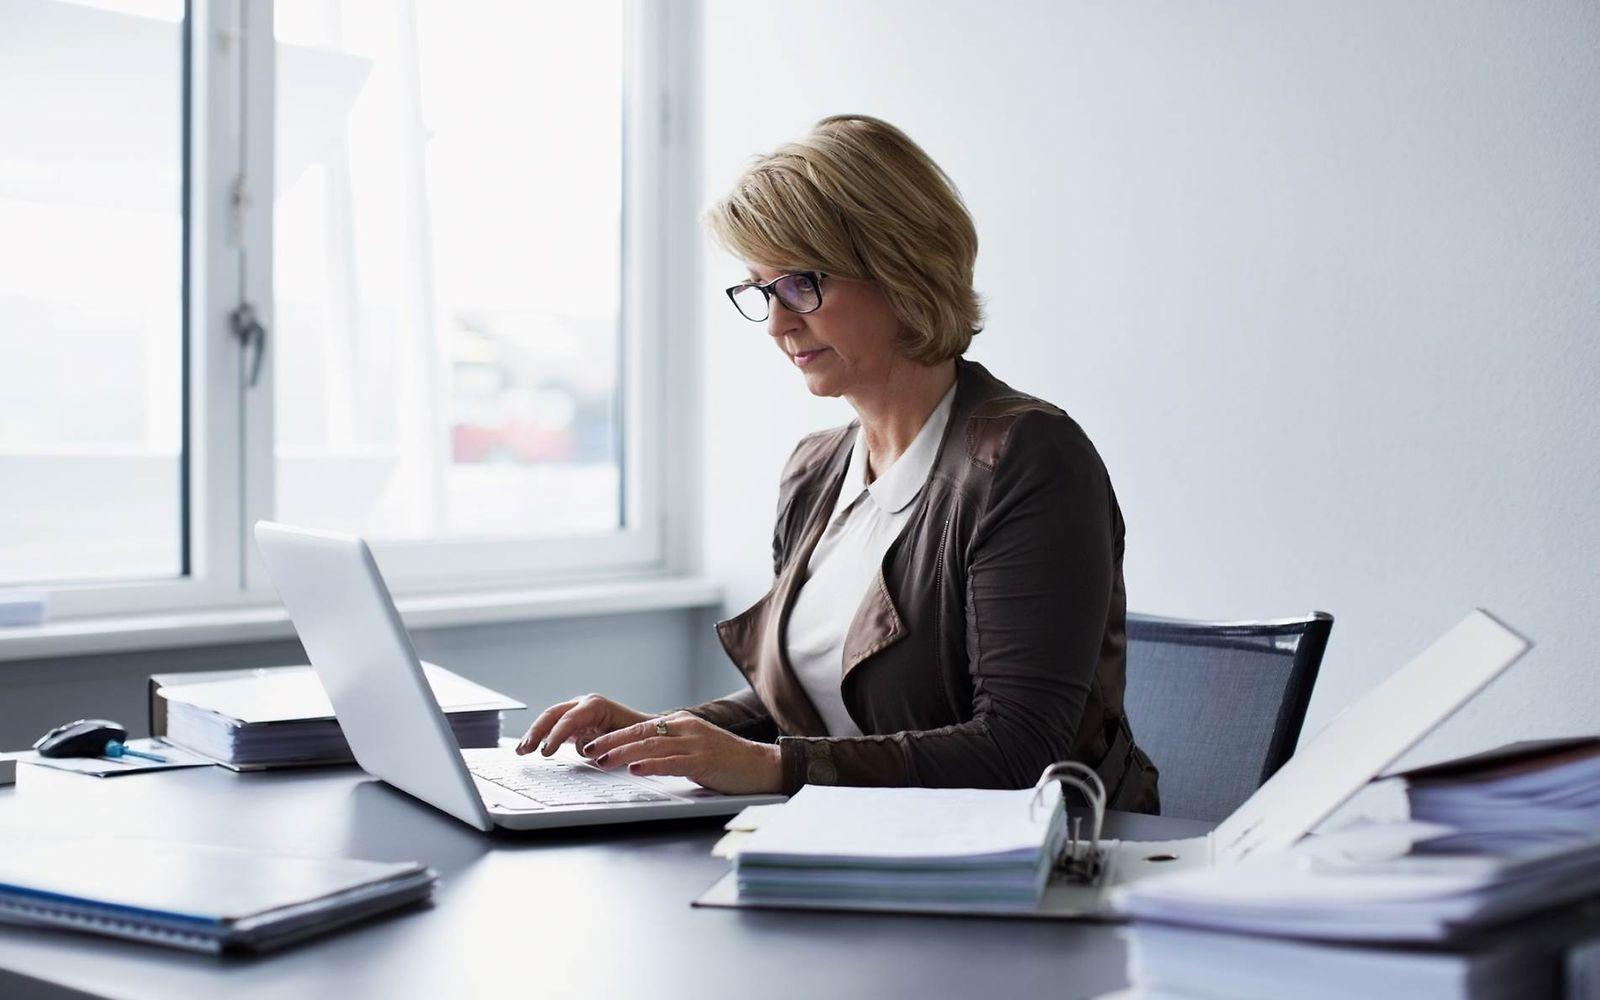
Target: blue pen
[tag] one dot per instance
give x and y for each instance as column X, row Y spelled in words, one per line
column 116, row 748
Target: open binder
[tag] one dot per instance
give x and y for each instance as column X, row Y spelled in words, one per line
column 1353, row 749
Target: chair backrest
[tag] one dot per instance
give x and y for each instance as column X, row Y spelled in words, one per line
column 1218, row 705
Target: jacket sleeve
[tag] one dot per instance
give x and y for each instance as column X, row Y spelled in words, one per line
column 1040, row 570
column 740, row 713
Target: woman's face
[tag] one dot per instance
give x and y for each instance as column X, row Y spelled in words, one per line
column 847, row 343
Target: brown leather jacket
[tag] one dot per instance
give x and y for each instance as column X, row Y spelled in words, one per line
column 992, row 643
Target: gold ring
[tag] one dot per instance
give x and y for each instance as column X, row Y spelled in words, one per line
column 661, row 727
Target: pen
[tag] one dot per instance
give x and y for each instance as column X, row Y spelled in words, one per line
column 116, row 748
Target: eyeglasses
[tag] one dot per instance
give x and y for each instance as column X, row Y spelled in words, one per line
column 800, row 292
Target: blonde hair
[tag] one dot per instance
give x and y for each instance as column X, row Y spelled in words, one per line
column 857, row 198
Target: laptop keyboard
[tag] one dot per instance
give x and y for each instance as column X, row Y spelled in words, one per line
column 560, row 783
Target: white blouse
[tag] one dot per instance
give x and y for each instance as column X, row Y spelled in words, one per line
column 865, row 521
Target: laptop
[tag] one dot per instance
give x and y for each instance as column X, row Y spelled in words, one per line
column 358, row 646
column 1359, row 744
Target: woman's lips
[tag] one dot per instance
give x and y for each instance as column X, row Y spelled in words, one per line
column 804, row 358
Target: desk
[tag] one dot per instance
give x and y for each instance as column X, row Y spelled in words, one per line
column 591, row 913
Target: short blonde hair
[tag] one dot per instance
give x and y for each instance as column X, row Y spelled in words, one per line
column 857, row 198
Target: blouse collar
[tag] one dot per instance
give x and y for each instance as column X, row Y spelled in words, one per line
column 899, row 484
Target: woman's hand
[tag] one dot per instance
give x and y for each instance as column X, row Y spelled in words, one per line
column 580, row 720
column 691, row 748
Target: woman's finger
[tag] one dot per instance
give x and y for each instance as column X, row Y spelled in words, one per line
column 583, row 737
column 627, row 734
column 580, row 716
column 543, row 724
column 678, row 765
column 650, row 746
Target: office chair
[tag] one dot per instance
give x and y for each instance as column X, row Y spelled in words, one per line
column 1218, row 705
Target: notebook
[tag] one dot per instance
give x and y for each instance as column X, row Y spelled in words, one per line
column 197, row 897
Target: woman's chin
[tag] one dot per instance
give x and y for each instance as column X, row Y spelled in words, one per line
column 820, row 384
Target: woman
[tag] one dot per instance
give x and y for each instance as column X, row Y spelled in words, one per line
column 948, row 606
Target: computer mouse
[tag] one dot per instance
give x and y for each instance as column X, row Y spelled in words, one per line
column 84, row 738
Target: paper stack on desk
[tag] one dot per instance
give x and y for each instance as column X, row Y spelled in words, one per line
column 280, row 716
column 1335, row 888
column 1510, row 791
column 1423, row 908
column 905, row 845
column 1544, row 958
column 1334, row 921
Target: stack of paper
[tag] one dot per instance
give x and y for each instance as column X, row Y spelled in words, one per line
column 282, row 716
column 1516, row 789
column 1363, row 912
column 1175, row 962
column 932, row 846
column 197, row 897
column 1346, row 886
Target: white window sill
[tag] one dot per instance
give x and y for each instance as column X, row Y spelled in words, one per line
column 231, row 626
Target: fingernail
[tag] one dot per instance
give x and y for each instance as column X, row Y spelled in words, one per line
column 588, row 749
column 602, row 758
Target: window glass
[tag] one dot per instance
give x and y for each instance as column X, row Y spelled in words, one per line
column 447, row 267
column 91, row 290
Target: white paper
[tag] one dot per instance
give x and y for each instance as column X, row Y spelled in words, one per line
column 285, row 694
column 750, row 818
column 1354, row 885
column 105, row 767
column 907, row 824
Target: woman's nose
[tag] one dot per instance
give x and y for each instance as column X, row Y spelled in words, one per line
column 780, row 321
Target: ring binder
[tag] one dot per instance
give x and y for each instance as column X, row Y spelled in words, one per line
column 1079, row 862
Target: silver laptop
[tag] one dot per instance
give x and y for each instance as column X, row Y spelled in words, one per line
column 354, row 637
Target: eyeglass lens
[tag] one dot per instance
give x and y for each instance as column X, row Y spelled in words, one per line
column 798, row 293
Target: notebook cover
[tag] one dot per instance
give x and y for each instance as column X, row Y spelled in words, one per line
column 196, row 896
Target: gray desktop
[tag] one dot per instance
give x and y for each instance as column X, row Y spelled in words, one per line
column 591, row 912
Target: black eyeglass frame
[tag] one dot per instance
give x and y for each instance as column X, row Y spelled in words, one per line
column 768, row 292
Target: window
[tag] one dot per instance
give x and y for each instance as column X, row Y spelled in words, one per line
column 441, row 216
column 447, row 262
column 91, row 292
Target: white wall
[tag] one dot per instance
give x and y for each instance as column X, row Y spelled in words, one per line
column 1321, row 280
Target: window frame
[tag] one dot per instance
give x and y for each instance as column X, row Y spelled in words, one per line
column 228, row 437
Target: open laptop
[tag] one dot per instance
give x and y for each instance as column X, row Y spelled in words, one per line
column 356, row 642
column 1360, row 744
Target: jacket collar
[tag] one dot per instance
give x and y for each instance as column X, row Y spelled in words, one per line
column 756, row 639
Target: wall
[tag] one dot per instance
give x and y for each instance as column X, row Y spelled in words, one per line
column 1319, row 279
column 642, row 659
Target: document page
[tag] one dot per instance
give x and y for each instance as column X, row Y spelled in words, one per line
column 913, row 825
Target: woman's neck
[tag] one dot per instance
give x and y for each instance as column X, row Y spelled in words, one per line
column 894, row 411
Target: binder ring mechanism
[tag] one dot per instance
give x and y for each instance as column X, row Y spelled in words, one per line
column 1078, row 861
